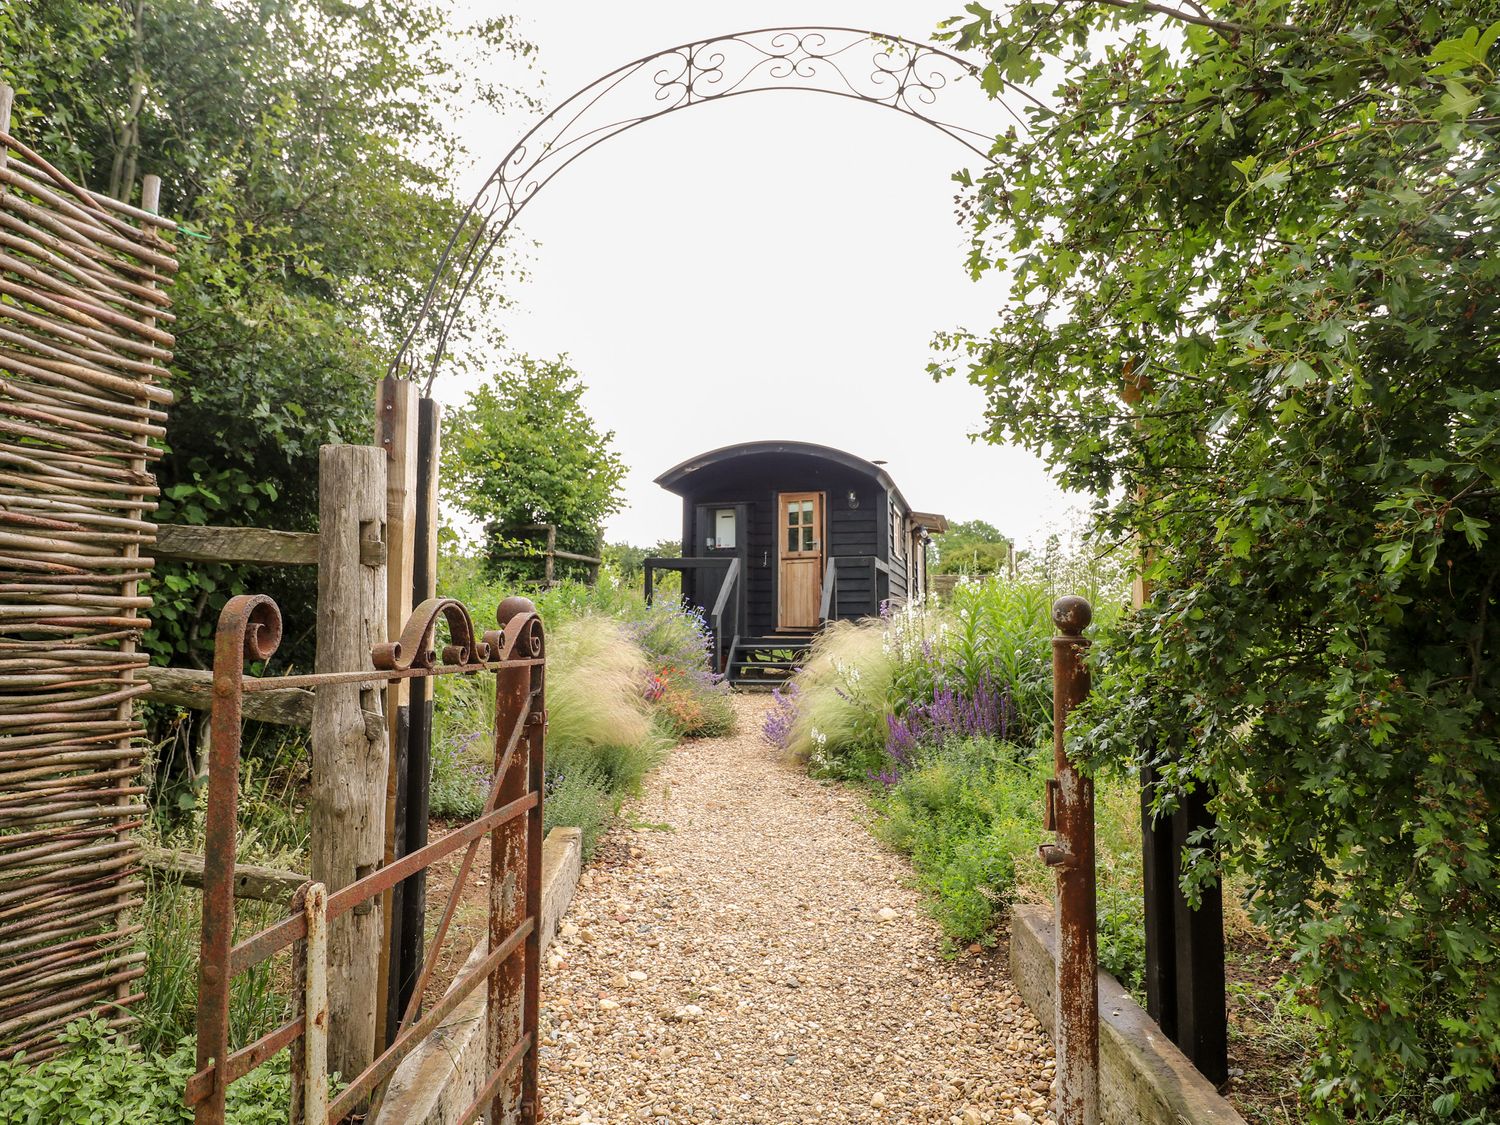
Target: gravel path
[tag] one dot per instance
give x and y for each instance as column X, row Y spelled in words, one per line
column 746, row 952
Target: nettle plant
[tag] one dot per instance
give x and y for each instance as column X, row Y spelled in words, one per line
column 1276, row 223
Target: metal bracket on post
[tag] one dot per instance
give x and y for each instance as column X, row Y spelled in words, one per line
column 1070, row 813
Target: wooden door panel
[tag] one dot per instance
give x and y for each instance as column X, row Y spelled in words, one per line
column 800, row 548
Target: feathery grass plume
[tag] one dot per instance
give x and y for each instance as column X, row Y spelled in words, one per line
column 595, row 679
column 841, row 703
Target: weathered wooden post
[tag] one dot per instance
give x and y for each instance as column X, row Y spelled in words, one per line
column 1070, row 813
column 396, row 434
column 349, row 749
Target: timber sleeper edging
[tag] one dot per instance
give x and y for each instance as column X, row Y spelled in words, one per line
column 434, row 1083
column 1144, row 1079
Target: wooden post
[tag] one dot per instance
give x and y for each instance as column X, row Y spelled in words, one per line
column 130, row 645
column 349, row 744
column 413, row 896
column 396, row 434
column 550, row 576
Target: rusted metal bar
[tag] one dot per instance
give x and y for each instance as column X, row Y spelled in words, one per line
column 493, row 1088
column 273, row 939
column 511, row 877
column 246, row 1059
column 531, row 1002
column 1070, row 814
column 391, row 1057
column 249, row 629
column 315, row 1007
column 317, row 679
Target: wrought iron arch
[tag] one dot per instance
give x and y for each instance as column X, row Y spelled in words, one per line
column 896, row 73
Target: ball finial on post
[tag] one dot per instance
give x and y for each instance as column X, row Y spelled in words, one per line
column 511, row 607
column 1072, row 614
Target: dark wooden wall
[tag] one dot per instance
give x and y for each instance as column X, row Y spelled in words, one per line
column 861, row 530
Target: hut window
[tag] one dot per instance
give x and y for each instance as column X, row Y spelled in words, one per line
column 898, row 535
column 723, row 528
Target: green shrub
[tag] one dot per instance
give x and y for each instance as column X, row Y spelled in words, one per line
column 1122, row 935
column 579, row 799
column 964, row 815
column 102, row 1080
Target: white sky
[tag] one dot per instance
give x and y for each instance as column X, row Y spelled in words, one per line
column 769, row 267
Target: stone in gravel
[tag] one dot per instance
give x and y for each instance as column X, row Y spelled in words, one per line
column 1021, row 1117
column 636, row 976
column 878, row 1101
column 608, row 1005
column 888, row 915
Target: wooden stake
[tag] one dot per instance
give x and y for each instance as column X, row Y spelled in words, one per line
column 349, row 759
column 396, row 434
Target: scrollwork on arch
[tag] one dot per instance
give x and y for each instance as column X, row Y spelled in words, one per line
column 871, row 67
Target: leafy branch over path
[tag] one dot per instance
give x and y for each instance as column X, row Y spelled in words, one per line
column 1287, row 244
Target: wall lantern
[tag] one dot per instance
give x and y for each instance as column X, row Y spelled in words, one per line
column 853, row 499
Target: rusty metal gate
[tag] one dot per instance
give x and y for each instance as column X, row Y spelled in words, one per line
column 250, row 630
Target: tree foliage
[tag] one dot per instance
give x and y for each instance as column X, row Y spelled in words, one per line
column 972, row 547
column 1277, row 222
column 524, row 451
column 306, row 148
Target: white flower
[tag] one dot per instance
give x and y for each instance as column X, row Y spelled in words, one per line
column 820, row 740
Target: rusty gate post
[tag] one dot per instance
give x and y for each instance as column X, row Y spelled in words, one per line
column 515, row 875
column 1070, row 814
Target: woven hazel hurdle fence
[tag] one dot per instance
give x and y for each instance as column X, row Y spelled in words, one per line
column 83, row 351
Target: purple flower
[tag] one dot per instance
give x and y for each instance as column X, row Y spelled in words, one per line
column 951, row 715
column 777, row 729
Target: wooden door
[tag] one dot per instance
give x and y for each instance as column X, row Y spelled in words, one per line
column 800, row 545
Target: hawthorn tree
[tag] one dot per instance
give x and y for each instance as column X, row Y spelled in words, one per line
column 1252, row 249
column 524, row 451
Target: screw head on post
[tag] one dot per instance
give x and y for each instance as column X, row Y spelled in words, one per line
column 1072, row 614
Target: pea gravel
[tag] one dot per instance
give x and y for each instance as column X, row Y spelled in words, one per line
column 743, row 950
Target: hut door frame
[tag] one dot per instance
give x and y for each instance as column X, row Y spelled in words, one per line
column 802, row 555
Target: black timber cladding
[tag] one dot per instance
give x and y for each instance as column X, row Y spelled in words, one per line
column 858, row 501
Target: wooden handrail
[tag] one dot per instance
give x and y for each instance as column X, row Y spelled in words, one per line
column 830, row 586
column 731, row 577
column 726, row 588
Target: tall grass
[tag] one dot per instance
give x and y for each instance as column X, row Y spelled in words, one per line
column 839, row 724
column 945, row 710
column 272, row 831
